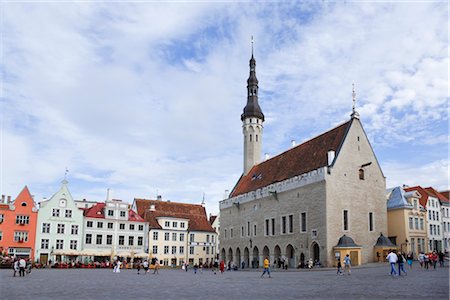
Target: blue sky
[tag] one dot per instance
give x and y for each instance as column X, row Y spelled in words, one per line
column 145, row 98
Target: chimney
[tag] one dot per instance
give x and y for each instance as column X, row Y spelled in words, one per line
column 266, row 156
column 152, row 207
column 293, row 143
column 3, row 198
column 9, row 199
column 158, row 197
column 331, row 155
column 108, row 194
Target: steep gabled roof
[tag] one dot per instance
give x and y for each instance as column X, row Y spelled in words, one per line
column 196, row 214
column 98, row 211
column 306, row 157
column 432, row 192
column 397, row 199
column 423, row 194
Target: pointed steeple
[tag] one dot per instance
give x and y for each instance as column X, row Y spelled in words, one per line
column 252, row 109
column 355, row 114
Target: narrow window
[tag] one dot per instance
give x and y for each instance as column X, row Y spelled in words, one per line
column 361, row 174
column 250, row 137
column 291, row 223
column 267, row 227
column 345, row 219
column 273, row 226
column 370, row 221
column 283, row 224
column 256, row 137
column 303, row 227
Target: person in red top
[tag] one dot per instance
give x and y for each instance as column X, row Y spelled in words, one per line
column 433, row 259
column 222, row 266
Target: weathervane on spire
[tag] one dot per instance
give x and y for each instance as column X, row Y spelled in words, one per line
column 354, row 112
column 252, row 45
column 65, row 176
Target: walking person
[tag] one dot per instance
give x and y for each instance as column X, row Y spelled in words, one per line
column 434, row 259
column 392, row 258
column 266, row 267
column 216, row 266
column 441, row 259
column 145, row 265
column 222, row 266
column 15, row 267
column 157, row 266
column 426, row 260
column 347, row 265
column 117, row 265
column 409, row 259
column 195, row 268
column 138, row 268
column 22, row 265
column 401, row 263
column 339, row 268
column 421, row 259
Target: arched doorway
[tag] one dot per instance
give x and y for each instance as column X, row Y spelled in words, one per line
column 266, row 252
column 290, row 255
column 255, row 261
column 238, row 257
column 246, row 257
column 302, row 260
column 315, row 252
column 277, row 256
column 230, row 256
column 222, row 255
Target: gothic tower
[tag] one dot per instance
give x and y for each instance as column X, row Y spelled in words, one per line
column 252, row 121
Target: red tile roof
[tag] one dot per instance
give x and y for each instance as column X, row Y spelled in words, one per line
column 4, row 206
column 446, row 194
column 195, row 213
column 98, row 211
column 306, row 157
column 432, row 192
column 423, row 194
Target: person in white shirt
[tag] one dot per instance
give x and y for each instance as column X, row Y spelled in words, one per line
column 16, row 267
column 392, row 258
column 22, row 265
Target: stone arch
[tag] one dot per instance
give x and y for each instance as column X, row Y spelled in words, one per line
column 230, row 255
column 255, row 260
column 223, row 255
column 238, row 257
column 290, row 255
column 315, row 251
column 277, row 255
column 266, row 252
column 246, row 257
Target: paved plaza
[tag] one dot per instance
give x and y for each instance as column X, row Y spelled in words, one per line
column 367, row 282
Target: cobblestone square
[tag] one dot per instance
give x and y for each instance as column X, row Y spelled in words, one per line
column 367, row 282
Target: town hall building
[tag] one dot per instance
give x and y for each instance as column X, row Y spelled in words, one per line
column 319, row 200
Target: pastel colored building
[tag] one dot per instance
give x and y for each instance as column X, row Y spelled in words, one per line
column 112, row 229
column 407, row 220
column 178, row 232
column 446, row 220
column 59, row 228
column 18, row 225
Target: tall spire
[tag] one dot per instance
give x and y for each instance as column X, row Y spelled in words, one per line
column 252, row 108
column 354, row 114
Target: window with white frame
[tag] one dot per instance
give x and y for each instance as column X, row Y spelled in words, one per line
column 110, row 225
column 131, row 226
column 155, row 236
column 191, row 250
column 74, row 230
column 122, row 226
column 99, row 224
column 44, row 243
column 181, row 237
column 20, row 236
column 121, row 240
column 68, row 214
column 411, row 223
column 416, row 223
column 181, row 249
column 141, row 227
column 166, row 224
column 22, row 220
column 59, row 244
column 155, row 249
column 55, row 212
column 110, row 213
column 45, row 227
column 2, row 218
column 60, row 229
column 73, row 245
column 130, row 240
column 174, row 224
column 166, row 236
column 166, row 249
column 88, row 239
column 140, row 241
column 99, row 239
column 174, row 249
column 123, row 214
column 182, row 225
column 89, row 224
column 191, row 237
column 109, row 239
column 174, row 236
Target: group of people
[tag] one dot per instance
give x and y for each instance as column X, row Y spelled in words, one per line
column 427, row 260
column 21, row 266
column 347, row 266
column 146, row 266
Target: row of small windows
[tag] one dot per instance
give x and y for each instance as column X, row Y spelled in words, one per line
column 174, row 224
column 433, row 215
column 435, row 229
column 416, row 223
column 446, row 227
column 57, row 211
column 59, row 244
column 251, row 137
column 110, row 225
column 207, row 249
column 122, row 213
column 109, row 240
column 287, row 225
column 60, row 228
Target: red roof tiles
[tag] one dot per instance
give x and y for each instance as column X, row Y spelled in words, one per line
column 196, row 214
column 432, row 192
column 98, row 211
column 306, row 157
column 423, row 194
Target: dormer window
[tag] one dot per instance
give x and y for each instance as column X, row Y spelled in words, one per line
column 24, row 204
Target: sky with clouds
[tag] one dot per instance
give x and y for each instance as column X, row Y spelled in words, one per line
column 145, row 98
